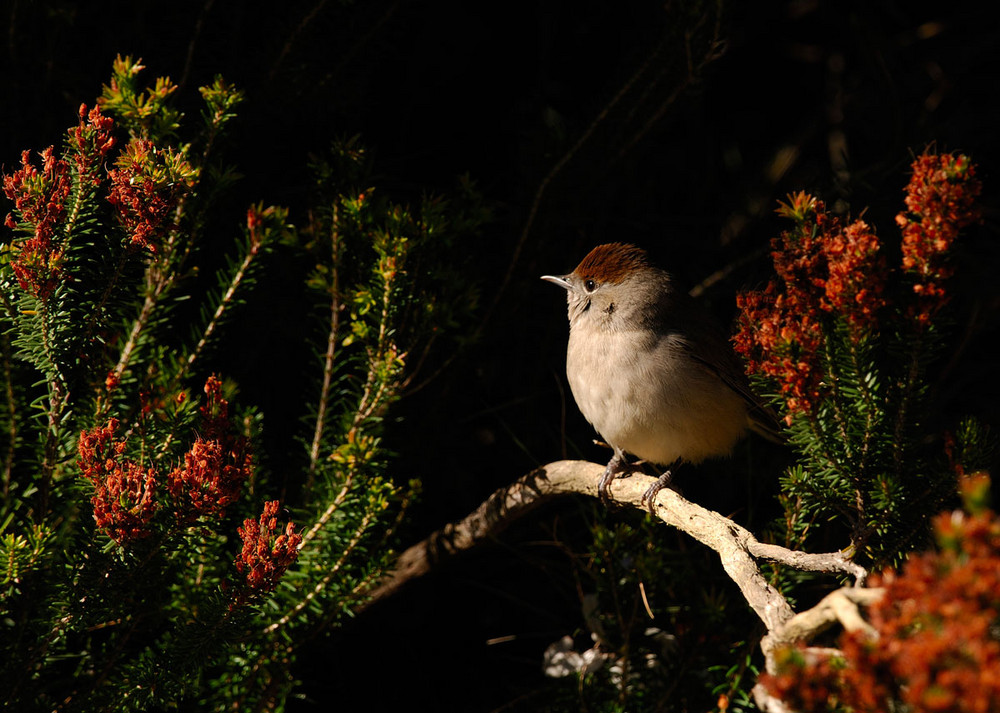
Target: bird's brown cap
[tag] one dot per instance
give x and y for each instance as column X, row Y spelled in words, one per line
column 612, row 263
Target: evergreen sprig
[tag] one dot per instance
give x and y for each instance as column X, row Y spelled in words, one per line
column 843, row 344
column 140, row 568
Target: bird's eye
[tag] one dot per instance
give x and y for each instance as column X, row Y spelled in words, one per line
column 589, row 285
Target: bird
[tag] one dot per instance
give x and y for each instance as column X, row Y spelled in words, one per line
column 650, row 370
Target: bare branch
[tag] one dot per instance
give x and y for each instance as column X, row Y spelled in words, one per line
column 499, row 510
column 738, row 549
column 840, row 606
column 768, row 703
column 807, row 561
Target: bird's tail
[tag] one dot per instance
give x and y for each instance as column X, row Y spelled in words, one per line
column 764, row 422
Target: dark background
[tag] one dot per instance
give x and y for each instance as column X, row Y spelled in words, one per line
column 830, row 97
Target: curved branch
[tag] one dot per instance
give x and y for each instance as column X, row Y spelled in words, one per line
column 738, row 549
column 497, row 511
column 808, row 561
column 840, row 606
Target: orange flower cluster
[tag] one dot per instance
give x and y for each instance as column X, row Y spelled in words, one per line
column 90, row 141
column 39, row 198
column 215, row 467
column 255, row 222
column 215, row 410
column 824, row 269
column 856, row 276
column 781, row 343
column 937, row 647
column 264, row 558
column 145, row 189
column 124, row 492
column 940, row 201
column 214, row 470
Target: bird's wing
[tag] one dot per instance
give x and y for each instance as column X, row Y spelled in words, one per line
column 763, row 420
column 708, row 344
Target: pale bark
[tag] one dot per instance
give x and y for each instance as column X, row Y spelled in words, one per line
column 739, row 551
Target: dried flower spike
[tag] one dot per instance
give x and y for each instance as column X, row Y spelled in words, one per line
column 264, row 558
column 146, row 185
column 124, row 497
column 216, row 466
column 826, row 271
column 89, row 143
column 39, row 198
column 941, row 199
column 936, row 648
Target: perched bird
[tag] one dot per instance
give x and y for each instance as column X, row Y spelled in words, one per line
column 649, row 369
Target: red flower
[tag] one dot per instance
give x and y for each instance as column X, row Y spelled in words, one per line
column 216, row 466
column 146, row 185
column 90, row 141
column 825, row 270
column 264, row 558
column 215, row 410
column 936, row 647
column 783, row 343
column 124, row 492
column 39, row 196
column 856, row 276
column 40, row 202
column 940, row 201
column 37, row 266
column 210, row 480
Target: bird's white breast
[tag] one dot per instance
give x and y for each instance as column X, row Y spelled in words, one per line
column 647, row 396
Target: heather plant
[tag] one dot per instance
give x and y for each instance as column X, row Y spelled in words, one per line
column 146, row 560
column 843, row 342
column 846, row 344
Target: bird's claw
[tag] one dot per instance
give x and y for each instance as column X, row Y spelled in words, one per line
column 649, row 497
column 617, row 468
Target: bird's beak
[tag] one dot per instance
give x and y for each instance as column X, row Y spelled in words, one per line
column 561, row 280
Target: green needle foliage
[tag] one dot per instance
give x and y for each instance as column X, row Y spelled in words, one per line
column 844, row 343
column 144, row 563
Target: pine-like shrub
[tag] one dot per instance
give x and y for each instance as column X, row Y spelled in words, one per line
column 145, row 559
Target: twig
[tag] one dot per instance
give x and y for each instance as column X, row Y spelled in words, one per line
column 234, row 284
column 840, row 606
column 11, row 404
column 807, row 561
column 290, row 41
column 739, row 551
column 329, row 359
column 199, row 25
column 359, row 532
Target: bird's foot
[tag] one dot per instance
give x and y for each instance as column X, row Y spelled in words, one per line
column 618, row 467
column 649, row 497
